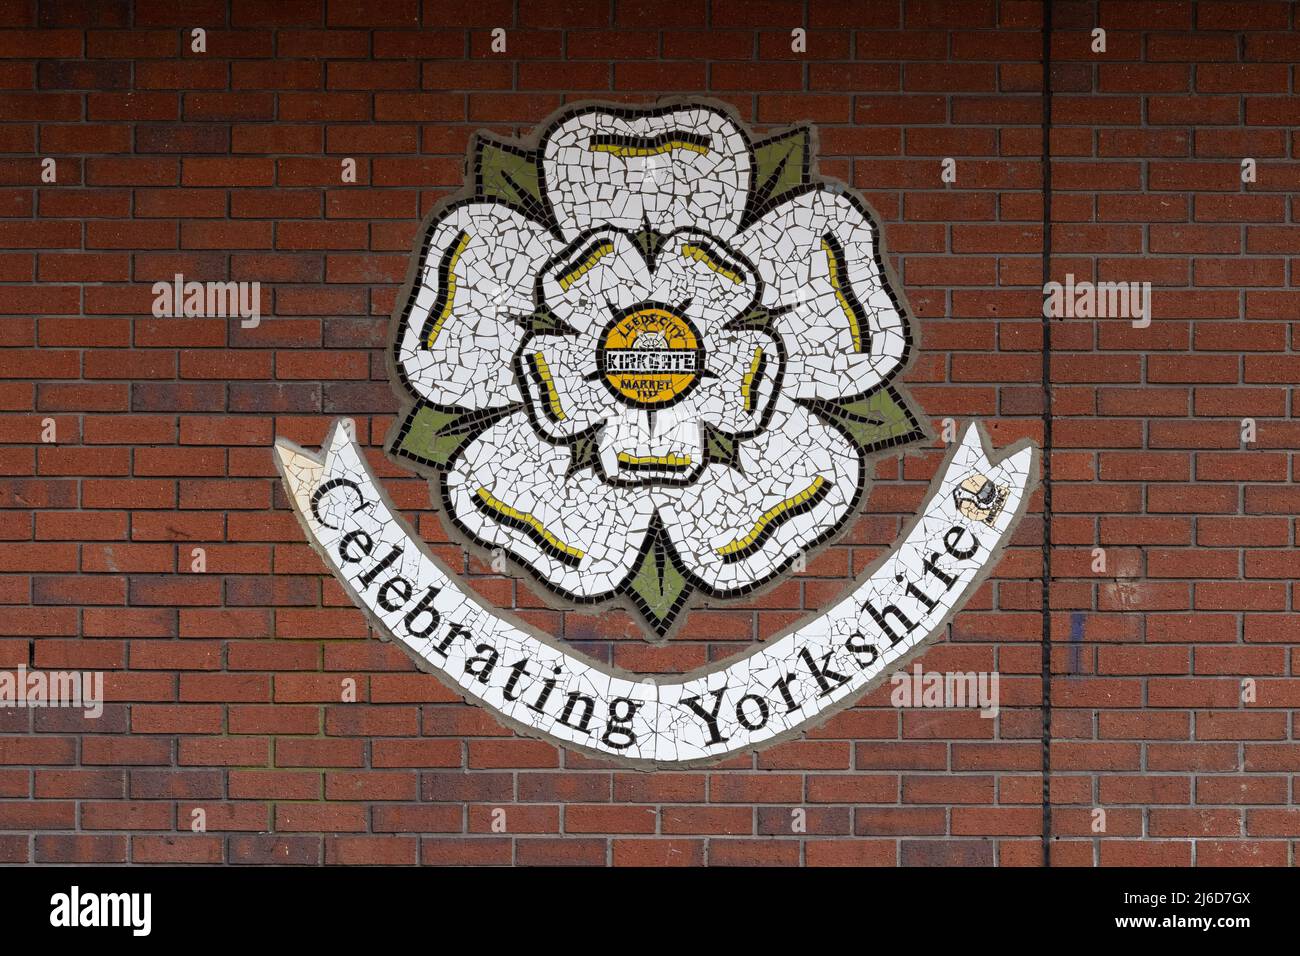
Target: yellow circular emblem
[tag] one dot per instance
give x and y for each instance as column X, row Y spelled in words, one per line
column 651, row 356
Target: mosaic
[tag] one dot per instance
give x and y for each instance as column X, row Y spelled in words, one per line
column 649, row 358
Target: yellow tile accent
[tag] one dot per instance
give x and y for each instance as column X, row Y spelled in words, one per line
column 772, row 514
column 623, row 152
column 748, row 382
column 670, row 461
column 691, row 251
column 500, row 507
column 450, row 301
column 581, row 269
column 552, row 396
column 839, row 294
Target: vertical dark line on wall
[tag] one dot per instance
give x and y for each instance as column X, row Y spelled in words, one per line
column 1047, row 443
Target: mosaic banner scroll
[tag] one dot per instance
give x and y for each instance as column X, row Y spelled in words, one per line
column 773, row 692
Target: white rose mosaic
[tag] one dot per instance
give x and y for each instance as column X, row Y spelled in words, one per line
column 649, row 358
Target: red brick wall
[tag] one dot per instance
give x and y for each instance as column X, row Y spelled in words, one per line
column 224, row 686
column 1199, row 530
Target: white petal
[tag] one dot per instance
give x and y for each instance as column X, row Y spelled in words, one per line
column 642, row 446
column 800, row 479
column 747, row 364
column 672, row 168
column 844, row 331
column 564, row 399
column 509, row 489
column 695, row 268
column 457, row 338
column 593, row 278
